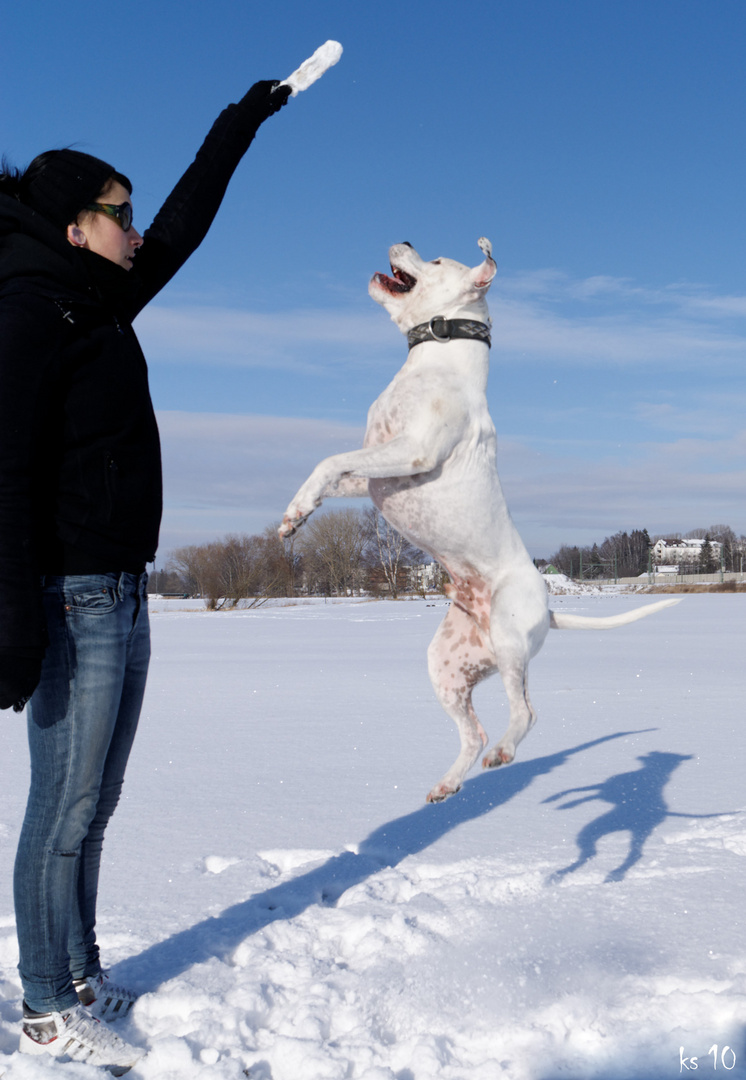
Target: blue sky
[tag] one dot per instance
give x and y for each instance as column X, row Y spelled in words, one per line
column 599, row 144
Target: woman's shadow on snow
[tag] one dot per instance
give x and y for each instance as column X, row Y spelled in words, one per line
column 638, row 807
column 385, row 847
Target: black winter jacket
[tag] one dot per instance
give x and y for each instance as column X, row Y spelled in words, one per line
column 80, row 467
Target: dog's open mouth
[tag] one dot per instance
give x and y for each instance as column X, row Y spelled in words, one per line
column 400, row 282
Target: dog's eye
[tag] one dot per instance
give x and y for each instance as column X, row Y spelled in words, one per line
column 437, row 262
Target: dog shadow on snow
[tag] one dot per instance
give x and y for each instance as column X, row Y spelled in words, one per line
column 640, row 807
column 637, row 807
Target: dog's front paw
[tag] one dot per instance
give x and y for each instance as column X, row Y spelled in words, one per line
column 291, row 522
column 286, row 530
column 300, row 509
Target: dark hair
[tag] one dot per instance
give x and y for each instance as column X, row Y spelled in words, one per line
column 11, row 178
column 58, row 184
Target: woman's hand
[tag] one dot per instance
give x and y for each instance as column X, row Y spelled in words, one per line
column 20, row 671
column 263, row 100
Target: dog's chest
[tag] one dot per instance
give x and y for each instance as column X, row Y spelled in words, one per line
column 423, row 398
column 416, row 398
column 389, row 413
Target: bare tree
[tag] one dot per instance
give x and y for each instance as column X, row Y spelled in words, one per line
column 332, row 546
column 198, row 567
column 567, row 560
column 241, row 565
column 390, row 552
column 236, row 568
column 166, row 581
column 282, row 563
column 732, row 551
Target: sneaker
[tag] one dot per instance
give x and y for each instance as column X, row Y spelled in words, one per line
column 75, row 1035
column 104, row 998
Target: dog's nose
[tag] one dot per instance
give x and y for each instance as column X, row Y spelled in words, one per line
column 406, row 243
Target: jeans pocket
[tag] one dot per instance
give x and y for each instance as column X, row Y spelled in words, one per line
column 95, row 600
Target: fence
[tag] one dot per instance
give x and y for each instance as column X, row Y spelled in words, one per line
column 682, row 579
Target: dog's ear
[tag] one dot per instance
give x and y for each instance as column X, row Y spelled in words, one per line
column 482, row 275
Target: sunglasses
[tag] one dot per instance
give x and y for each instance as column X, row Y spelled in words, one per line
column 122, row 214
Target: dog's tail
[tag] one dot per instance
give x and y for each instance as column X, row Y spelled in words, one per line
column 561, row 621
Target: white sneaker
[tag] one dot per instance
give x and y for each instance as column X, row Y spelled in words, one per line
column 104, row 998
column 75, row 1035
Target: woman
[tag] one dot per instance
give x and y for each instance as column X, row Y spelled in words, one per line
column 80, row 508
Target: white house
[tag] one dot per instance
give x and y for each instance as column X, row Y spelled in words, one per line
column 685, row 551
column 424, row 576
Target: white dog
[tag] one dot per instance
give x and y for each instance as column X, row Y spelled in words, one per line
column 428, row 464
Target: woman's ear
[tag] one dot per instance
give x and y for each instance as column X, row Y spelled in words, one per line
column 76, row 236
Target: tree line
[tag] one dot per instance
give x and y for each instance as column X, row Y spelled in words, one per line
column 351, row 552
column 629, row 554
column 344, row 552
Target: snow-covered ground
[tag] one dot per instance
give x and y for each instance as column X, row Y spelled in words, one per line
column 291, row 909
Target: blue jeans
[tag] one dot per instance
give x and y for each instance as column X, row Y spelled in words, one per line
column 82, row 720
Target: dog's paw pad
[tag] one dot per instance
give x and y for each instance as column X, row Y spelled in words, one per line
column 292, row 522
column 497, row 756
column 441, row 792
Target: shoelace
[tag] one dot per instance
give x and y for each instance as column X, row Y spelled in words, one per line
column 80, row 1027
column 84, row 1026
column 100, row 990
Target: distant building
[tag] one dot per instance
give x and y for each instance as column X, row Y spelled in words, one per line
column 683, row 551
column 424, row 577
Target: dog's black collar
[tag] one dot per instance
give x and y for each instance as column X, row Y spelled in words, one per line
column 440, row 329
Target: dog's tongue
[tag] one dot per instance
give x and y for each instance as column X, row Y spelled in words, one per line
column 312, row 69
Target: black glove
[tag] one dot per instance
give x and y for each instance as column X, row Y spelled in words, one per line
column 263, row 100
column 20, row 671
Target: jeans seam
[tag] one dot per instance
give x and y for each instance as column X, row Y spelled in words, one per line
column 62, row 805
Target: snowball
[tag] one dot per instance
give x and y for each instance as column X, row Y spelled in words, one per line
column 326, row 56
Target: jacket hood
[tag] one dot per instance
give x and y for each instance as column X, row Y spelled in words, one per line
column 32, row 248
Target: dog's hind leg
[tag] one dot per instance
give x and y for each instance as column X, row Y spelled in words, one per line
column 460, row 656
column 513, row 670
column 519, row 624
